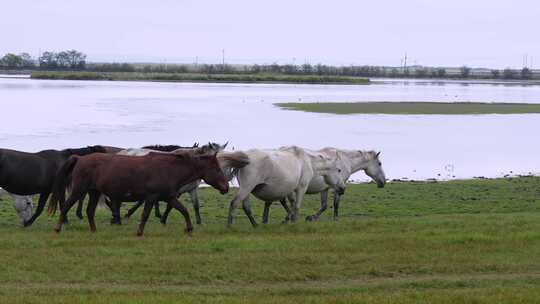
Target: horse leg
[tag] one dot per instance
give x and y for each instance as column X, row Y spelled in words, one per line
column 115, row 208
column 266, row 212
column 194, row 195
column 336, row 205
column 182, row 209
column 73, row 198
column 80, row 207
column 165, row 214
column 133, row 209
column 156, row 210
column 91, row 209
column 240, row 196
column 247, row 210
column 43, row 197
column 297, row 203
column 324, row 205
column 283, row 203
column 148, row 204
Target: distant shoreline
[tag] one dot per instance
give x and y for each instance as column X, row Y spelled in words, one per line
column 198, row 77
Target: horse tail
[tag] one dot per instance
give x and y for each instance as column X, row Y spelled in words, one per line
column 61, row 182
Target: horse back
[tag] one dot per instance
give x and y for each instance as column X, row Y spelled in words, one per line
column 26, row 173
column 120, row 176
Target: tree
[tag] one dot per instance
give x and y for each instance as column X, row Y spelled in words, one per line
column 441, row 72
column 465, row 71
column 421, row 72
column 307, row 68
column 526, row 73
column 27, row 61
column 47, row 60
column 495, row 73
column 509, row 73
column 11, row 61
column 75, row 59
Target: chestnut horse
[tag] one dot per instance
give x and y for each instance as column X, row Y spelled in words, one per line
column 153, row 177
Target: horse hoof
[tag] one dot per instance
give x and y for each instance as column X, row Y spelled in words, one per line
column 189, row 231
column 27, row 224
column 139, row 234
column 309, row 218
column 80, row 216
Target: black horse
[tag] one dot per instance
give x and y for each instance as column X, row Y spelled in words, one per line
column 26, row 173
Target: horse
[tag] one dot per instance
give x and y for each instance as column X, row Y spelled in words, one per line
column 23, row 204
column 153, row 177
column 228, row 163
column 191, row 188
column 349, row 162
column 116, row 217
column 272, row 175
column 24, row 173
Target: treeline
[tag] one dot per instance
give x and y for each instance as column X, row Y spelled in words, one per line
column 75, row 60
column 65, row 60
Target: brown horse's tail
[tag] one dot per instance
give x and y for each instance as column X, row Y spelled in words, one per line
column 63, row 178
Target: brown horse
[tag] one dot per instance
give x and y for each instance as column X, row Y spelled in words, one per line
column 154, row 177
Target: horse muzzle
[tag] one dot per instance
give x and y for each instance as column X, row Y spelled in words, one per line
column 224, row 190
column 380, row 184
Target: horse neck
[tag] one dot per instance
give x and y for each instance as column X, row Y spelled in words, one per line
column 358, row 159
column 319, row 166
column 190, row 168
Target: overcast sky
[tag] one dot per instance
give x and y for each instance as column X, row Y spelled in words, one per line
column 480, row 33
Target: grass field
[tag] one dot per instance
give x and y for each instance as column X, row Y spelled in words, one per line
column 191, row 77
column 413, row 108
column 475, row 241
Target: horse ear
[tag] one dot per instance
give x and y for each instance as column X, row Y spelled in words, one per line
column 225, row 145
column 378, row 153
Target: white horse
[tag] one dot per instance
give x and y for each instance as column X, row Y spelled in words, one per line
column 22, row 203
column 272, row 175
column 349, row 162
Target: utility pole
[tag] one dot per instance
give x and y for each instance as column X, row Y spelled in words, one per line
column 405, row 63
column 223, row 57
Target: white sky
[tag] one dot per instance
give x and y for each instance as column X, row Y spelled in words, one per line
column 478, row 33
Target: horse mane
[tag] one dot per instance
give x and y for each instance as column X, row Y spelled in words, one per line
column 86, row 150
column 236, row 159
column 168, row 148
column 211, row 147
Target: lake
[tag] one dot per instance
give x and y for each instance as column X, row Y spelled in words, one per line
column 42, row 114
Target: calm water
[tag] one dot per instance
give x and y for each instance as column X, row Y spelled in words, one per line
column 41, row 114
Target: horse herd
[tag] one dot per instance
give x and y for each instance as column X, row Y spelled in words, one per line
column 154, row 174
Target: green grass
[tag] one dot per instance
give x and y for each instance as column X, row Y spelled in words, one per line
column 191, row 77
column 475, row 241
column 427, row 108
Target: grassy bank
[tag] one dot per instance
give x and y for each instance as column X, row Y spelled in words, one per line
column 191, row 77
column 428, row 108
column 447, row 242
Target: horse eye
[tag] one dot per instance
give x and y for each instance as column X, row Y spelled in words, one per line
column 28, row 203
column 380, row 164
column 339, row 170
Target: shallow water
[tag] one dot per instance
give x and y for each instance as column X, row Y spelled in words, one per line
column 41, row 114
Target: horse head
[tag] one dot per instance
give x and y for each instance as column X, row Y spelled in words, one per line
column 373, row 168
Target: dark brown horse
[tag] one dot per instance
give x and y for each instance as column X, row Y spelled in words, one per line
column 154, row 177
column 26, row 173
column 115, row 213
